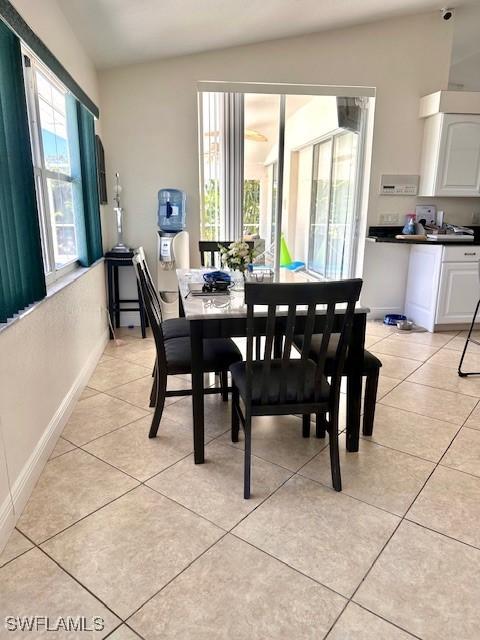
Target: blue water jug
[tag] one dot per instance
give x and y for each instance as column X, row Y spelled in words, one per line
column 171, row 210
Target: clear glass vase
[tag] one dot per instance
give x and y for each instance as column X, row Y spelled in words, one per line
column 238, row 279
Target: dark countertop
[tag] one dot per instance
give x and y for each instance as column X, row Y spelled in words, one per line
column 387, row 234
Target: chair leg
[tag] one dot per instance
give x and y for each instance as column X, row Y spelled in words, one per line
column 354, row 401
column 153, row 392
column 371, row 386
column 224, row 383
column 235, row 416
column 248, row 456
column 334, row 452
column 161, row 388
column 320, row 425
column 306, row 425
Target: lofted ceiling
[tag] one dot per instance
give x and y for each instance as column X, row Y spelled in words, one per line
column 465, row 68
column 118, row 32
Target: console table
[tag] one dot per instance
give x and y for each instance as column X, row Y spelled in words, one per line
column 114, row 260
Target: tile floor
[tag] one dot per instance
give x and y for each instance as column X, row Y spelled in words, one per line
column 129, row 529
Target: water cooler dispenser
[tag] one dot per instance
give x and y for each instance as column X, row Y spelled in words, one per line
column 173, row 247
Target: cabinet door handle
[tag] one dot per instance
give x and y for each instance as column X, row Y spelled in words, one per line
column 473, row 253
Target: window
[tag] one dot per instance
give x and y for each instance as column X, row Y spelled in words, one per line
column 210, row 167
column 55, row 152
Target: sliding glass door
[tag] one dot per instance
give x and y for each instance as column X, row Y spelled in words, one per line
column 332, row 215
column 284, row 170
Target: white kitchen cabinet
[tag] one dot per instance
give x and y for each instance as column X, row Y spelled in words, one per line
column 451, row 156
column 459, row 292
column 443, row 285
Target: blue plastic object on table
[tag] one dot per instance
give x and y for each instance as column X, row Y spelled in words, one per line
column 216, row 276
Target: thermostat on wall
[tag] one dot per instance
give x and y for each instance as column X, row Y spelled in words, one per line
column 399, row 185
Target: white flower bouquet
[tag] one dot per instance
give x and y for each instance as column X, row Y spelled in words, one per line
column 236, row 256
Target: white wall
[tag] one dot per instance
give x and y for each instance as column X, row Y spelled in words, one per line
column 150, row 112
column 465, row 67
column 48, row 354
column 49, row 23
column 47, row 357
column 47, row 20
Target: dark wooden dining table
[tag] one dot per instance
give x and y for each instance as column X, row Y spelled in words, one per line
column 225, row 316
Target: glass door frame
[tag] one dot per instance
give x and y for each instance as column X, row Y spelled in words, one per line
column 284, row 90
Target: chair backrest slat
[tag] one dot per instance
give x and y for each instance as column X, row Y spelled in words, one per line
column 287, row 350
column 341, row 351
column 152, row 305
column 267, row 357
column 305, row 353
column 327, row 334
column 293, row 309
column 151, row 285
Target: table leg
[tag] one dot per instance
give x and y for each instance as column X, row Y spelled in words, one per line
column 354, row 401
column 116, row 296
column 181, row 310
column 196, row 341
column 354, row 382
column 110, row 297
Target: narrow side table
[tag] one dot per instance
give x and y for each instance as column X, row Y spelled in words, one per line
column 114, row 260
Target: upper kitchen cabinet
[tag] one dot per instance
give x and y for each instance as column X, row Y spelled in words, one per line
column 451, row 147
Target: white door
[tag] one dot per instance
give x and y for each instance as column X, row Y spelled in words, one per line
column 459, row 292
column 459, row 156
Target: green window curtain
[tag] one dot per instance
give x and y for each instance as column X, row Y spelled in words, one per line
column 22, row 279
column 91, row 248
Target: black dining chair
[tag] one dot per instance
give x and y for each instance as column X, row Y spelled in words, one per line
column 211, row 249
column 282, row 385
column 370, row 371
column 173, row 356
column 174, row 328
column 171, row 327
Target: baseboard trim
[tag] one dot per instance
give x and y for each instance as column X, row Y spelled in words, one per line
column 7, row 521
column 458, row 326
column 379, row 312
column 24, row 484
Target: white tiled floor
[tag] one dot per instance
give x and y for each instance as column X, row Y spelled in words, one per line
column 129, row 529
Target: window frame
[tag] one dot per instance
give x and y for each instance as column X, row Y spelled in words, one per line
column 31, row 64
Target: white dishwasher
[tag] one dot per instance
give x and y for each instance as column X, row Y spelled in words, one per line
column 443, row 285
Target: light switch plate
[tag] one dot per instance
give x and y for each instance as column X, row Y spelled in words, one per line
column 389, row 219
